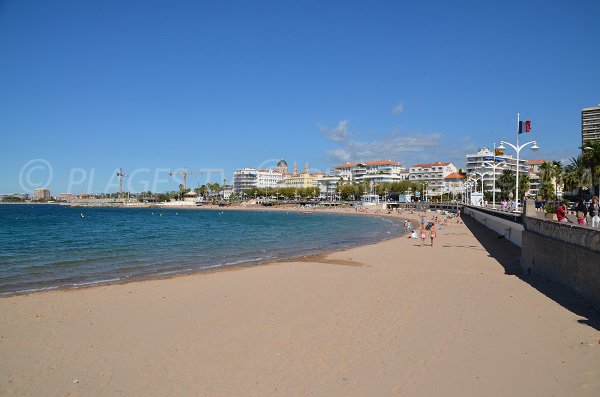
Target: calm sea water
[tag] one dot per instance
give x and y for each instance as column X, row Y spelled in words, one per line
column 48, row 246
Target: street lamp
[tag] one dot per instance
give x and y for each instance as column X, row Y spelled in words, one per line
column 517, row 149
column 482, row 174
column 493, row 166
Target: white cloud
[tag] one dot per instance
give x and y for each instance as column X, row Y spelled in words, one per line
column 399, row 108
column 394, row 146
column 409, row 149
column 338, row 133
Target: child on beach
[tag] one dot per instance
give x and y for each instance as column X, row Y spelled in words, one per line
column 423, row 236
column 413, row 235
column 432, row 234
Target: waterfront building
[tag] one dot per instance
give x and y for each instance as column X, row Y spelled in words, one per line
column 327, row 185
column 302, row 179
column 590, row 124
column 250, row 178
column 454, row 183
column 66, row 197
column 41, row 194
column 481, row 162
column 431, row 176
column 380, row 171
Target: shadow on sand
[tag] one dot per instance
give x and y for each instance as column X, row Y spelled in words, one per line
column 508, row 255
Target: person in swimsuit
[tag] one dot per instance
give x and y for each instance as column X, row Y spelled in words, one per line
column 423, row 236
column 432, row 234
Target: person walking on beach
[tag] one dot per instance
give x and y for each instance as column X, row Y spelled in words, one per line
column 594, row 211
column 423, row 236
column 432, row 234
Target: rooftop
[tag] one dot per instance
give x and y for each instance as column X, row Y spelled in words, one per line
column 436, row 164
column 455, row 175
column 369, row 163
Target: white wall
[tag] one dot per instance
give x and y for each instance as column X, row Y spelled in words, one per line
column 510, row 230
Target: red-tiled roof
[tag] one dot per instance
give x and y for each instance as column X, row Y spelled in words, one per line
column 368, row 163
column 536, row 162
column 455, row 175
column 436, row 164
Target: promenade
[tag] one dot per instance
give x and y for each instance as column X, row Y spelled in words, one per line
column 392, row 318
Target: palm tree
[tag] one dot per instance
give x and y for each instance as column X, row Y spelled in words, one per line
column 506, row 182
column 576, row 173
column 546, row 171
column 557, row 174
column 591, row 159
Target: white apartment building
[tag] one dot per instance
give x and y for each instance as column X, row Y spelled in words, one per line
column 486, row 163
column 381, row 171
column 431, row 176
column 249, row 178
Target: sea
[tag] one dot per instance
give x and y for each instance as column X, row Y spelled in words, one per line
column 46, row 247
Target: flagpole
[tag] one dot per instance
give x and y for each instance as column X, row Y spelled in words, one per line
column 517, row 184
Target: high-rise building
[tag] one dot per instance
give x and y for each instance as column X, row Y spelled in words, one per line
column 41, row 194
column 590, row 124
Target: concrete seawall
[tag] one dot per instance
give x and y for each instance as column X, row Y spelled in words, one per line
column 503, row 224
column 563, row 252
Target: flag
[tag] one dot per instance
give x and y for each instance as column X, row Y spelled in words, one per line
column 499, row 152
column 524, row 126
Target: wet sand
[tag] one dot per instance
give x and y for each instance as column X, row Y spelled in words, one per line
column 391, row 318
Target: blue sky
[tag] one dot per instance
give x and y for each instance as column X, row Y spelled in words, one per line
column 87, row 87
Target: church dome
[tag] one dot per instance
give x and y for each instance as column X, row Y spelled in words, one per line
column 281, row 164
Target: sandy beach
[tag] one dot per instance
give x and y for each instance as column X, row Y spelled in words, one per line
column 391, row 318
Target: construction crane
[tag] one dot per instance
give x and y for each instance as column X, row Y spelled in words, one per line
column 185, row 172
column 121, row 174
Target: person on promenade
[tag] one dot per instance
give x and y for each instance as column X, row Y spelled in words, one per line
column 432, row 234
column 423, row 236
column 594, row 211
column 561, row 213
column 581, row 212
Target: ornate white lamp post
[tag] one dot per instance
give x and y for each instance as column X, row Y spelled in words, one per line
column 493, row 166
column 517, row 149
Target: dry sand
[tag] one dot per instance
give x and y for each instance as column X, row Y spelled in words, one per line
column 386, row 319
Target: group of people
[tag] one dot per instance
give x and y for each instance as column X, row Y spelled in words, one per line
column 429, row 227
column 581, row 212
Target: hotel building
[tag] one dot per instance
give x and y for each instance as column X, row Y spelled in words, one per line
column 480, row 163
column 590, row 124
column 432, row 176
column 250, row 178
column 298, row 180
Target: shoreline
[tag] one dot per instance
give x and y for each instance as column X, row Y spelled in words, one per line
column 218, row 267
